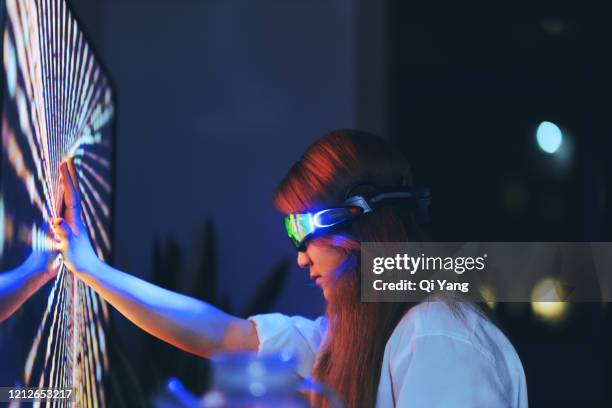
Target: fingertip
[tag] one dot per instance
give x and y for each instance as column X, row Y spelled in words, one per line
column 72, row 171
column 63, row 170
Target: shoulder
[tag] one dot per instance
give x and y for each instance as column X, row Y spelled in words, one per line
column 295, row 335
column 437, row 318
column 460, row 327
column 455, row 348
column 272, row 325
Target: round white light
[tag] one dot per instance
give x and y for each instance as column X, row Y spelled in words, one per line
column 549, row 137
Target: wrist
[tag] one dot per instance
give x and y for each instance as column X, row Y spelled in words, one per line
column 32, row 267
column 89, row 266
column 32, row 274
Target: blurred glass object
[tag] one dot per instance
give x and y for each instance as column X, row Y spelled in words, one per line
column 247, row 380
column 175, row 395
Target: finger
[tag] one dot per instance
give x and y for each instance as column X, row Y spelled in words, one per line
column 59, row 234
column 75, row 184
column 72, row 198
column 54, row 226
column 71, row 192
column 57, row 224
column 60, row 245
column 73, row 174
column 61, row 228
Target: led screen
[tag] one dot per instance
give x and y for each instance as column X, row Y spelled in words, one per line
column 56, row 103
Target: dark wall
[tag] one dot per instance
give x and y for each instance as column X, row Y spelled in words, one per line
column 216, row 99
column 470, row 86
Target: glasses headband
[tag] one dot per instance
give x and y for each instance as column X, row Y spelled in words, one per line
column 303, row 226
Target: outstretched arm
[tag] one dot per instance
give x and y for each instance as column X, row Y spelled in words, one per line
column 180, row 320
column 18, row 285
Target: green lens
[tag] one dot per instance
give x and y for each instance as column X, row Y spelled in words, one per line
column 298, row 226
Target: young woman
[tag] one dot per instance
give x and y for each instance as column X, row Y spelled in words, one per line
column 434, row 354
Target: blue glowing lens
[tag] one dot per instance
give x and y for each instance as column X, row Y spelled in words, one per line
column 300, row 226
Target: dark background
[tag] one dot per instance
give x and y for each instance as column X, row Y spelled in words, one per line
column 216, row 99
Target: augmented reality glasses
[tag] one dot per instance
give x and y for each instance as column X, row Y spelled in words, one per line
column 303, row 226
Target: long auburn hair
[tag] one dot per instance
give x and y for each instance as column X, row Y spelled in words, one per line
column 340, row 163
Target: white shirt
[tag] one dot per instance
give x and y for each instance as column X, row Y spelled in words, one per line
column 432, row 358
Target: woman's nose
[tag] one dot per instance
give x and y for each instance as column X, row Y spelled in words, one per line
column 303, row 260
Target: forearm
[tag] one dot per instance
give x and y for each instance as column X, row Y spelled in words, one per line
column 180, row 320
column 17, row 286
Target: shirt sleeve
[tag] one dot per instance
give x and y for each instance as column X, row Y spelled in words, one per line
column 443, row 371
column 296, row 335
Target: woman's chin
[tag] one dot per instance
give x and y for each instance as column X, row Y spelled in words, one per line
column 325, row 294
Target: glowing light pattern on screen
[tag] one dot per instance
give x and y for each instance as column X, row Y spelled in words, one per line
column 57, row 104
